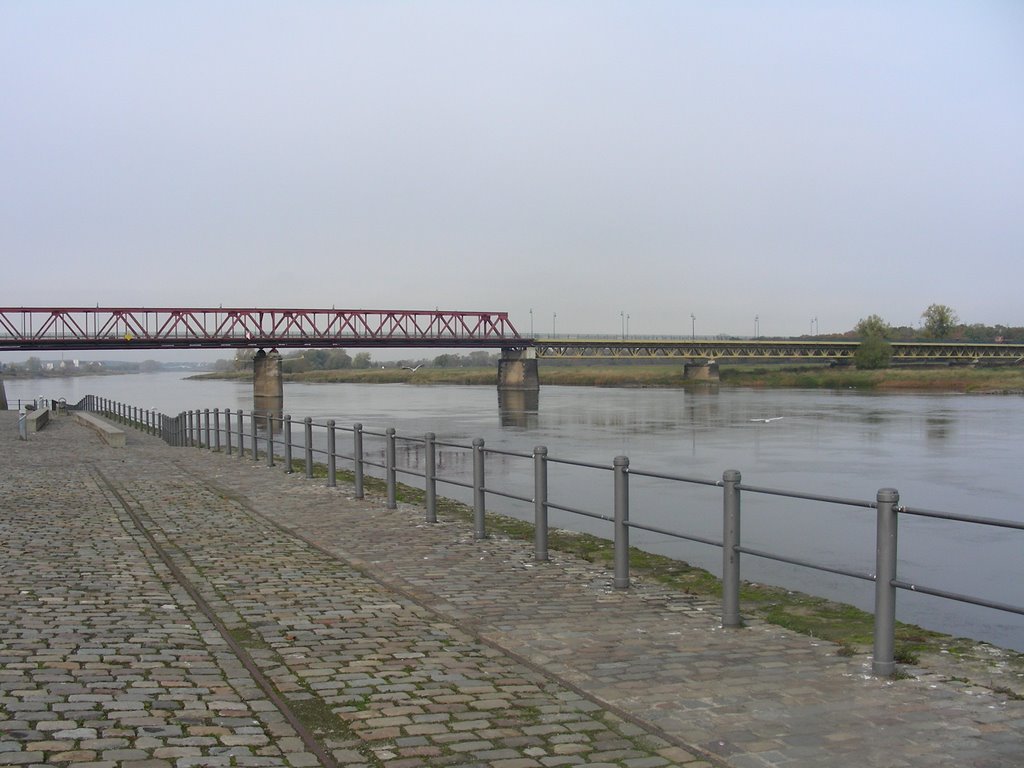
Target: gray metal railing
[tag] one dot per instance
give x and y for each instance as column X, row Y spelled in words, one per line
column 195, row 428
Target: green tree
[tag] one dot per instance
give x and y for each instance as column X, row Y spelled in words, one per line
column 479, row 359
column 873, row 353
column 243, row 359
column 872, row 325
column 338, row 359
column 939, row 321
column 362, row 360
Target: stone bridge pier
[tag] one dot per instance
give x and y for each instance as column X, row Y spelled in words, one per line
column 701, row 370
column 267, row 383
column 517, row 370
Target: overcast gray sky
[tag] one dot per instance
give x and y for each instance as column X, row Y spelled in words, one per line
column 788, row 160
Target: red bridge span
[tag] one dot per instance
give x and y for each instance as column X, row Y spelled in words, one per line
column 37, row 328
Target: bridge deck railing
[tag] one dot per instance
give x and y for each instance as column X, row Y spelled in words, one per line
column 268, row 437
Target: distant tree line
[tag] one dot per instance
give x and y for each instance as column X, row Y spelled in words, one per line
column 939, row 323
column 35, row 366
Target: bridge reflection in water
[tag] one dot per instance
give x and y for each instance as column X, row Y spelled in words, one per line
column 519, row 408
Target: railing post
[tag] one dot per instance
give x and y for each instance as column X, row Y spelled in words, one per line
column 255, row 435
column 206, row 426
column 188, row 428
column 216, row 429
column 332, row 480
column 884, row 663
column 308, row 422
column 540, row 503
column 730, row 546
column 242, row 435
column 621, row 466
column 357, row 458
column 270, row 438
column 390, row 474
column 430, row 475
column 479, row 494
column 286, row 435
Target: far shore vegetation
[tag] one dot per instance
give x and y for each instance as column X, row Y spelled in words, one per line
column 1007, row 379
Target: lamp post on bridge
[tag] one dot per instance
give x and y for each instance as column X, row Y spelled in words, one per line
column 757, row 318
column 693, row 326
column 622, row 322
column 531, row 322
column 554, row 317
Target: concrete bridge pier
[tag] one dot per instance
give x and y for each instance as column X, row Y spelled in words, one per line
column 517, row 370
column 267, row 384
column 701, row 370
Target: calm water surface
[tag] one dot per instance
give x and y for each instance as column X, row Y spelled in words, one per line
column 956, row 453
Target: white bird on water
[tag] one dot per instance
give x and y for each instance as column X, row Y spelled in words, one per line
column 773, row 418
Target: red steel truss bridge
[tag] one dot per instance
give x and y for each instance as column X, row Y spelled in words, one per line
column 35, row 328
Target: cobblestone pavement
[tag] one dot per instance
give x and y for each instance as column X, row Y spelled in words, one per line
column 177, row 607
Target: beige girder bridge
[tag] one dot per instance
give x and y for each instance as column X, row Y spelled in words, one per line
column 768, row 349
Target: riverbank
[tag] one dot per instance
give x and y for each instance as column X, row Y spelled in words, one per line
column 966, row 379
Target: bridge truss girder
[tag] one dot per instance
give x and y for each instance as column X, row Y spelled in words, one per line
column 33, row 328
column 766, row 350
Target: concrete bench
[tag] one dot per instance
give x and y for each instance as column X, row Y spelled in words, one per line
column 36, row 419
column 112, row 436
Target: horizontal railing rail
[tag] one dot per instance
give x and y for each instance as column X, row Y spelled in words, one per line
column 250, row 433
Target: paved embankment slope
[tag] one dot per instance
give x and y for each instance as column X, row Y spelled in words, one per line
column 174, row 607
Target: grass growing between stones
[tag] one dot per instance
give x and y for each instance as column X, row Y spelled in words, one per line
column 319, row 717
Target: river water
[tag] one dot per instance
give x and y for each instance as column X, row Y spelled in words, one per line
column 956, row 453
